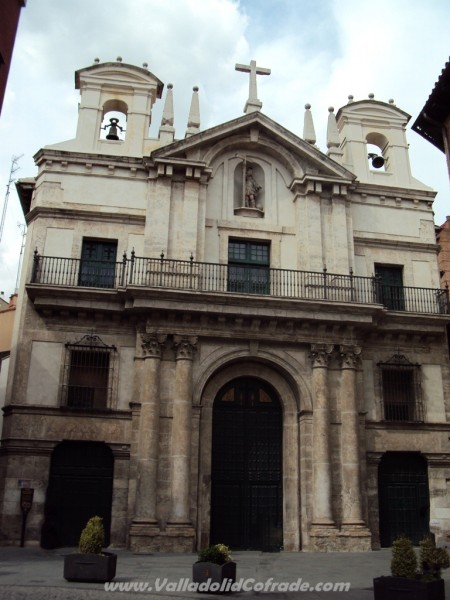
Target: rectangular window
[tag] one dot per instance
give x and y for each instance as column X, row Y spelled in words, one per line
column 248, row 267
column 402, row 399
column 88, row 374
column 391, row 292
column 98, row 264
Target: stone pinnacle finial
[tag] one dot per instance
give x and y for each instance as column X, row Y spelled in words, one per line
column 193, row 125
column 309, row 133
column 333, row 141
column 167, row 116
column 167, row 130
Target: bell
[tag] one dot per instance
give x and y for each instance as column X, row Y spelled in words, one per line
column 377, row 161
column 112, row 135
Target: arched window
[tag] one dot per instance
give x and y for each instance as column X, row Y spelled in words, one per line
column 114, row 121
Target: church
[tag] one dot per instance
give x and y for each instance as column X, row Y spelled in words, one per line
column 231, row 336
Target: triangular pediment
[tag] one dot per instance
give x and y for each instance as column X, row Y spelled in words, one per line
column 255, row 131
column 375, row 110
column 116, row 73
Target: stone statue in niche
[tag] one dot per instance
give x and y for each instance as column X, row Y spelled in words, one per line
column 251, row 188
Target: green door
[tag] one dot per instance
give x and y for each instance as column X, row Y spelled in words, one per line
column 80, row 487
column 391, row 290
column 403, row 497
column 248, row 267
column 98, row 264
column 246, row 476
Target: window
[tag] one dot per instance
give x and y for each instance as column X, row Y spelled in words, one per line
column 248, row 267
column 88, row 374
column 401, row 389
column 390, row 290
column 98, row 264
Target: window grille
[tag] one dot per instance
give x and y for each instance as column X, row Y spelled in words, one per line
column 401, row 389
column 88, row 374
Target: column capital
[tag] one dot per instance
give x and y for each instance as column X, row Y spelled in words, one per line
column 349, row 356
column 185, row 346
column 320, row 355
column 151, row 344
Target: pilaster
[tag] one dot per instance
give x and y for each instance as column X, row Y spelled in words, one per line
column 145, row 525
column 179, row 524
column 354, row 534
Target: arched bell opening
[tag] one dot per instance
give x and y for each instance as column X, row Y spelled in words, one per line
column 377, row 157
column 113, row 127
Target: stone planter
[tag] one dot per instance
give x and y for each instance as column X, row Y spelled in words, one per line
column 393, row 588
column 215, row 578
column 90, row 568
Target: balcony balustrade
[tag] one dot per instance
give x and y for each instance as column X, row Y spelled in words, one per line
column 190, row 275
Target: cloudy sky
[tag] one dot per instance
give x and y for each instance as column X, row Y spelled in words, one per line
column 319, row 51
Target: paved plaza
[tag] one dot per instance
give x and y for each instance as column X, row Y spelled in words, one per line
column 36, row 574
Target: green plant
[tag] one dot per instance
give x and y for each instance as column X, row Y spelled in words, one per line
column 92, row 537
column 217, row 554
column 432, row 559
column 404, row 559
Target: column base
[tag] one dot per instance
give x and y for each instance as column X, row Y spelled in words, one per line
column 350, row 538
column 148, row 537
column 322, row 537
column 355, row 538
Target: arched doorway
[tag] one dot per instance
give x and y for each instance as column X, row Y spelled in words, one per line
column 246, row 470
column 80, row 487
column 404, row 501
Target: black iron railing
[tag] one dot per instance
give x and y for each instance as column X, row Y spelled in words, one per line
column 222, row 278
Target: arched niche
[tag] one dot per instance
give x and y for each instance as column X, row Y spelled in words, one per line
column 249, row 189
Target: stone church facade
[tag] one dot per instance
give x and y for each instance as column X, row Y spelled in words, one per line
column 231, row 337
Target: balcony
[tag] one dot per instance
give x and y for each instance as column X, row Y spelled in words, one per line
column 210, row 278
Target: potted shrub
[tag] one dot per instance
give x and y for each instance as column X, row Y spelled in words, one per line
column 90, row 564
column 215, row 570
column 407, row 581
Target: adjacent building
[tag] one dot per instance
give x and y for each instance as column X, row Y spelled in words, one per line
column 7, row 314
column 229, row 337
column 433, row 122
column 9, row 21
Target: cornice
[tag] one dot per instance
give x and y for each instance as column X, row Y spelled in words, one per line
column 86, row 157
column 63, row 411
column 85, row 215
column 395, row 244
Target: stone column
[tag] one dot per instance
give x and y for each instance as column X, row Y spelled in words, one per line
column 148, row 441
column 181, row 431
column 322, row 509
column 351, row 484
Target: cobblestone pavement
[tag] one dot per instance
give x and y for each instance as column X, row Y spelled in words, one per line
column 32, row 573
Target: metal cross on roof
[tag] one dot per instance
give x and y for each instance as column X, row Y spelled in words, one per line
column 252, row 103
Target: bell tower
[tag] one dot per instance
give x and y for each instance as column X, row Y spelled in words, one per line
column 373, row 142
column 126, row 91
